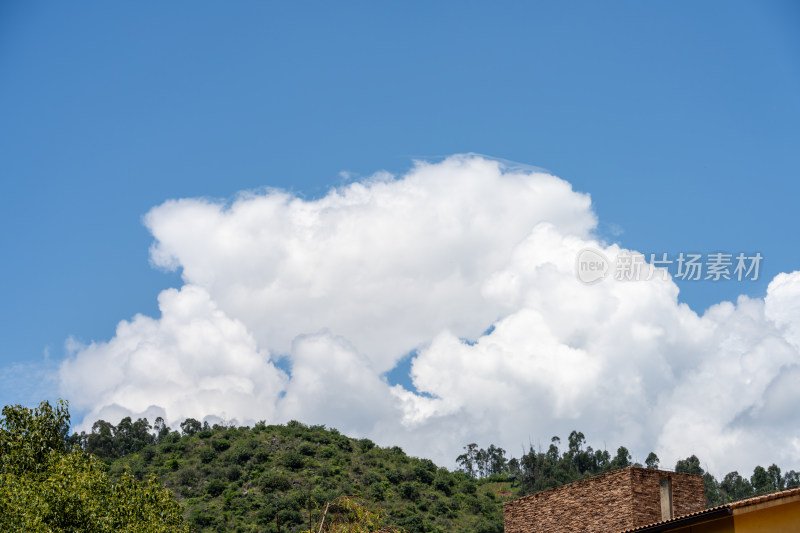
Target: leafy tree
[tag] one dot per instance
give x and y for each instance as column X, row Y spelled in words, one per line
column 481, row 462
column 791, row 480
column 101, row 440
column 760, row 480
column 552, row 450
column 651, row 461
column 496, row 460
column 766, row 480
column 161, row 429
column 132, row 436
column 576, row 440
column 45, row 487
column 190, row 426
column 734, row 487
column 513, row 468
column 467, row 459
column 712, row 490
column 622, row 459
column 775, row 479
column 602, row 461
column 28, row 436
column 690, row 465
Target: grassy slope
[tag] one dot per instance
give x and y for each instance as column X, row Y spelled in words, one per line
column 243, row 479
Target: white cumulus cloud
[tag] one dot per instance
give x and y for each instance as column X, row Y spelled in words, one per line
column 192, row 362
column 471, row 264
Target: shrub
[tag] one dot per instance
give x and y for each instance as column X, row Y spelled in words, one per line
column 220, row 444
column 377, row 491
column 365, row 445
column 241, row 455
column 394, row 476
column 327, row 452
column 307, row 449
column 409, row 491
column 274, row 481
column 444, row 482
column 201, row 519
column 233, row 473
column 293, row 461
column 148, row 453
column 424, row 471
column 207, row 455
column 413, row 524
column 485, row 526
column 371, row 477
column 188, row 477
column 215, row 487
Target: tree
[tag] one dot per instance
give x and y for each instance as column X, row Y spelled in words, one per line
column 161, row 429
column 690, row 465
column 467, row 459
column 576, row 440
column 482, row 463
column 497, row 459
column 712, row 492
column 101, row 441
column 190, row 426
column 552, row 450
column 775, row 479
column 27, row 437
column 132, row 436
column 513, row 468
column 767, row 480
column 760, row 480
column 601, row 460
column 734, row 487
column 45, row 487
column 622, row 459
column 651, row 461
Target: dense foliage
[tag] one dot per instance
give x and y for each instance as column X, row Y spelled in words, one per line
column 734, row 487
column 297, row 478
column 47, row 487
column 540, row 470
column 346, row 515
column 281, row 478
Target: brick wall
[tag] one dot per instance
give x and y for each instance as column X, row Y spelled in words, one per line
column 606, row 503
column 688, row 495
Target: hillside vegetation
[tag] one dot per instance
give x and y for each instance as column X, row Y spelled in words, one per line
column 279, row 478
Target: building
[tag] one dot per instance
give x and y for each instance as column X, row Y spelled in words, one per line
column 618, row 500
column 773, row 513
column 640, row 500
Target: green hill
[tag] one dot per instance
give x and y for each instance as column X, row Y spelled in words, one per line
column 278, row 478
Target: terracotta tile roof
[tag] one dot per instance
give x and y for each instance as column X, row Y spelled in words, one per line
column 719, row 510
column 765, row 498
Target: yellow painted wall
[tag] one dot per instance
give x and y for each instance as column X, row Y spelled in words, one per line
column 783, row 518
column 778, row 519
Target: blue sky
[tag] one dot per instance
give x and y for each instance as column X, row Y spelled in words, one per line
column 680, row 119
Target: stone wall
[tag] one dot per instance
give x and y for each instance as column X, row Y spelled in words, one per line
column 610, row 502
column 688, row 495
